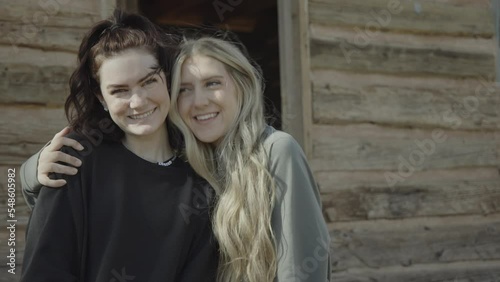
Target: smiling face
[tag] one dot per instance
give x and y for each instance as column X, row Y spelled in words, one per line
column 135, row 93
column 207, row 100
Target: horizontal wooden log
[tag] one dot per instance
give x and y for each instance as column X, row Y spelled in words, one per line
column 62, row 13
column 331, row 181
column 384, row 243
column 371, row 147
column 401, row 54
column 470, row 271
column 340, row 97
column 44, row 38
column 25, row 129
column 38, row 58
column 34, row 76
column 19, row 153
column 455, row 17
column 351, row 196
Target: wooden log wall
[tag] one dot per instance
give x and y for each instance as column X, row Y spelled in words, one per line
column 405, row 137
column 38, row 48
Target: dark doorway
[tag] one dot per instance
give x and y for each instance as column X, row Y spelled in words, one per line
column 254, row 22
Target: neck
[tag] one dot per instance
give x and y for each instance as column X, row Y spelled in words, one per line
column 154, row 148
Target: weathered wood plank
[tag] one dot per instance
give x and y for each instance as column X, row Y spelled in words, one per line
column 371, row 147
column 341, row 97
column 45, row 38
column 18, row 153
column 62, row 13
column 367, row 195
column 496, row 8
column 383, row 243
column 296, row 97
column 25, row 129
column 330, row 181
column 497, row 140
column 455, row 17
column 35, row 76
column 470, row 271
column 338, row 49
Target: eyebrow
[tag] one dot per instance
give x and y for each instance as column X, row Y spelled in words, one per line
column 206, row 78
column 149, row 74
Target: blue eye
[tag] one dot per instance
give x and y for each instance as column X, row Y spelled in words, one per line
column 183, row 90
column 150, row 81
column 213, row 83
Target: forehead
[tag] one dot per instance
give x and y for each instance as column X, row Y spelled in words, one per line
column 200, row 66
column 129, row 65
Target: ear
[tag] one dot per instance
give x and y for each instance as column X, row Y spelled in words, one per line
column 102, row 101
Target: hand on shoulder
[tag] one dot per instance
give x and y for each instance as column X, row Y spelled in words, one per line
column 51, row 158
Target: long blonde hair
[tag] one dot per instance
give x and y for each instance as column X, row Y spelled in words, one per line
column 237, row 168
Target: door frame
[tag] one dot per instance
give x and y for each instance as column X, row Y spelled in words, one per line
column 296, row 96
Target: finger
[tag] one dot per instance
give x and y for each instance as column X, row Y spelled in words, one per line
column 64, row 158
column 59, row 142
column 58, row 168
column 54, row 142
column 71, row 143
column 63, row 132
column 45, row 181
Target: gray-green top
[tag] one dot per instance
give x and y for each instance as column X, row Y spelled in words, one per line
column 29, row 181
column 301, row 234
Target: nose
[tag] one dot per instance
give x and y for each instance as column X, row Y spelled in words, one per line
column 138, row 99
column 200, row 98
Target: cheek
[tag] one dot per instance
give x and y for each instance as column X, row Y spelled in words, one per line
column 162, row 98
column 117, row 113
column 233, row 109
column 161, row 91
column 183, row 108
column 116, row 106
column 233, row 101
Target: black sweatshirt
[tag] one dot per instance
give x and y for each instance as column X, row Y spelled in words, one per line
column 122, row 218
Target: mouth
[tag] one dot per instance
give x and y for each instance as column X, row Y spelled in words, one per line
column 144, row 115
column 206, row 117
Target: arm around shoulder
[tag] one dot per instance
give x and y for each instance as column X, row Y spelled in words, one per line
column 29, row 181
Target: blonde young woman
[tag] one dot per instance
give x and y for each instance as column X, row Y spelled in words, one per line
column 267, row 218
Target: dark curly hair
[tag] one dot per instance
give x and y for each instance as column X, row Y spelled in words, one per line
column 107, row 38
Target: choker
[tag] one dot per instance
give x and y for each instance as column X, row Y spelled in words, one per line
column 167, row 162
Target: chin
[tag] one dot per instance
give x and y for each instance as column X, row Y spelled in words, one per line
column 142, row 130
column 205, row 138
column 208, row 135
